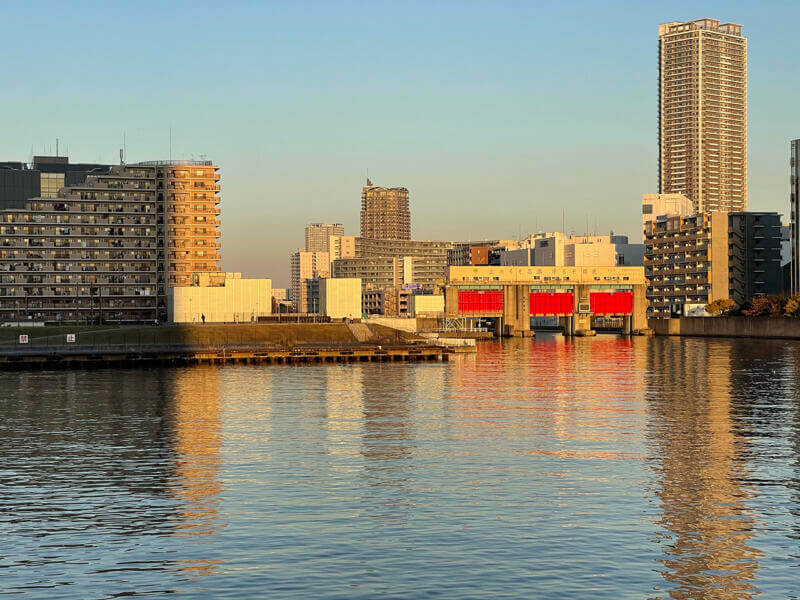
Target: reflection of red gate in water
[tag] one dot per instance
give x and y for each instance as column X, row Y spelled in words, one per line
column 611, row 303
column 480, row 301
column 545, row 304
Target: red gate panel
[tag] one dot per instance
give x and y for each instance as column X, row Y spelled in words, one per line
column 480, row 301
column 611, row 303
column 551, row 304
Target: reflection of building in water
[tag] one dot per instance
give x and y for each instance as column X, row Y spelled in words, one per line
column 388, row 440
column 345, row 410
column 388, row 431
column 198, row 440
column 551, row 384
column 706, row 553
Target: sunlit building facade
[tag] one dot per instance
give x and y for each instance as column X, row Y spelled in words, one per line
column 385, row 213
column 107, row 249
column 703, row 113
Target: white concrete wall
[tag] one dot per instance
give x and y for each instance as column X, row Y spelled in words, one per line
column 340, row 298
column 239, row 300
column 427, row 304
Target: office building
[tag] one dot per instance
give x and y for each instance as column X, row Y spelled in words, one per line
column 693, row 260
column 304, row 266
column 318, row 236
column 107, row 249
column 794, row 211
column 385, row 214
column 703, row 113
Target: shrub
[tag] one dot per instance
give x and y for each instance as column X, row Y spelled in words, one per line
column 721, row 308
column 792, row 308
column 766, row 306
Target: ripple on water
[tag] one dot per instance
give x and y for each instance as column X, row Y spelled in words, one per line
column 602, row 468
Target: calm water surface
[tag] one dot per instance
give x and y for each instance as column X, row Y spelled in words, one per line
column 594, row 468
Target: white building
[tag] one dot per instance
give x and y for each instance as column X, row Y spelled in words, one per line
column 221, row 298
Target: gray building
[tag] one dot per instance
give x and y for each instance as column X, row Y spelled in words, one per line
column 42, row 178
column 628, row 255
column 794, row 206
column 754, row 254
column 17, row 184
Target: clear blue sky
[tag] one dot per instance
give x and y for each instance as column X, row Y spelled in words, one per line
column 495, row 115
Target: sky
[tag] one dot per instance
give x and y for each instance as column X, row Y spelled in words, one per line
column 497, row 116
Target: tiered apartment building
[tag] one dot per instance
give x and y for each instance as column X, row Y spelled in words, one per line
column 107, row 249
column 385, row 213
column 702, row 101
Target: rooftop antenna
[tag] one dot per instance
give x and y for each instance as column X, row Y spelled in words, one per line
column 124, row 148
column 170, row 143
column 56, row 146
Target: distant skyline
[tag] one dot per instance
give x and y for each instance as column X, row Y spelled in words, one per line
column 494, row 116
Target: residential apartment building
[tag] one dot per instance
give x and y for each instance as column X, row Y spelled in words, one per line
column 389, row 263
column 318, row 236
column 385, row 213
column 702, row 113
column 693, row 260
column 794, row 212
column 304, row 266
column 107, row 249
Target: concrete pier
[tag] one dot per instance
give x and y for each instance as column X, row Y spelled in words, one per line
column 44, row 357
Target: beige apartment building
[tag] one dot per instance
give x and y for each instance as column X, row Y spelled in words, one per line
column 191, row 195
column 693, row 260
column 304, row 266
column 703, row 113
column 385, row 213
column 108, row 249
column 318, row 236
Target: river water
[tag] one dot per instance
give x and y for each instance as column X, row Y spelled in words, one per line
column 548, row 468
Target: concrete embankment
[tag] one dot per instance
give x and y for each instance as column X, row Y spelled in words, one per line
column 274, row 343
column 739, row 327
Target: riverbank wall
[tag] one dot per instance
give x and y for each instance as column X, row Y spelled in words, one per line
column 272, row 343
column 731, row 327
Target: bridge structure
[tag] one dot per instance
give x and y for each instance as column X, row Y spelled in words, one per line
column 511, row 296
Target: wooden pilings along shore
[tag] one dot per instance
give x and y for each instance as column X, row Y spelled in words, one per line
column 150, row 356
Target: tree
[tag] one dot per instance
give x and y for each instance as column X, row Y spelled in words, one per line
column 721, row 308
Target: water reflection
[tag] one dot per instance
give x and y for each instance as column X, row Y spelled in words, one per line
column 590, row 468
column 90, row 460
column 700, row 458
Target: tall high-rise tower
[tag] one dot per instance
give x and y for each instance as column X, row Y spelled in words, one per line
column 384, row 213
column 702, row 113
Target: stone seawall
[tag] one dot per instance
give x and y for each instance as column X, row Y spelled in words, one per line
column 748, row 327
